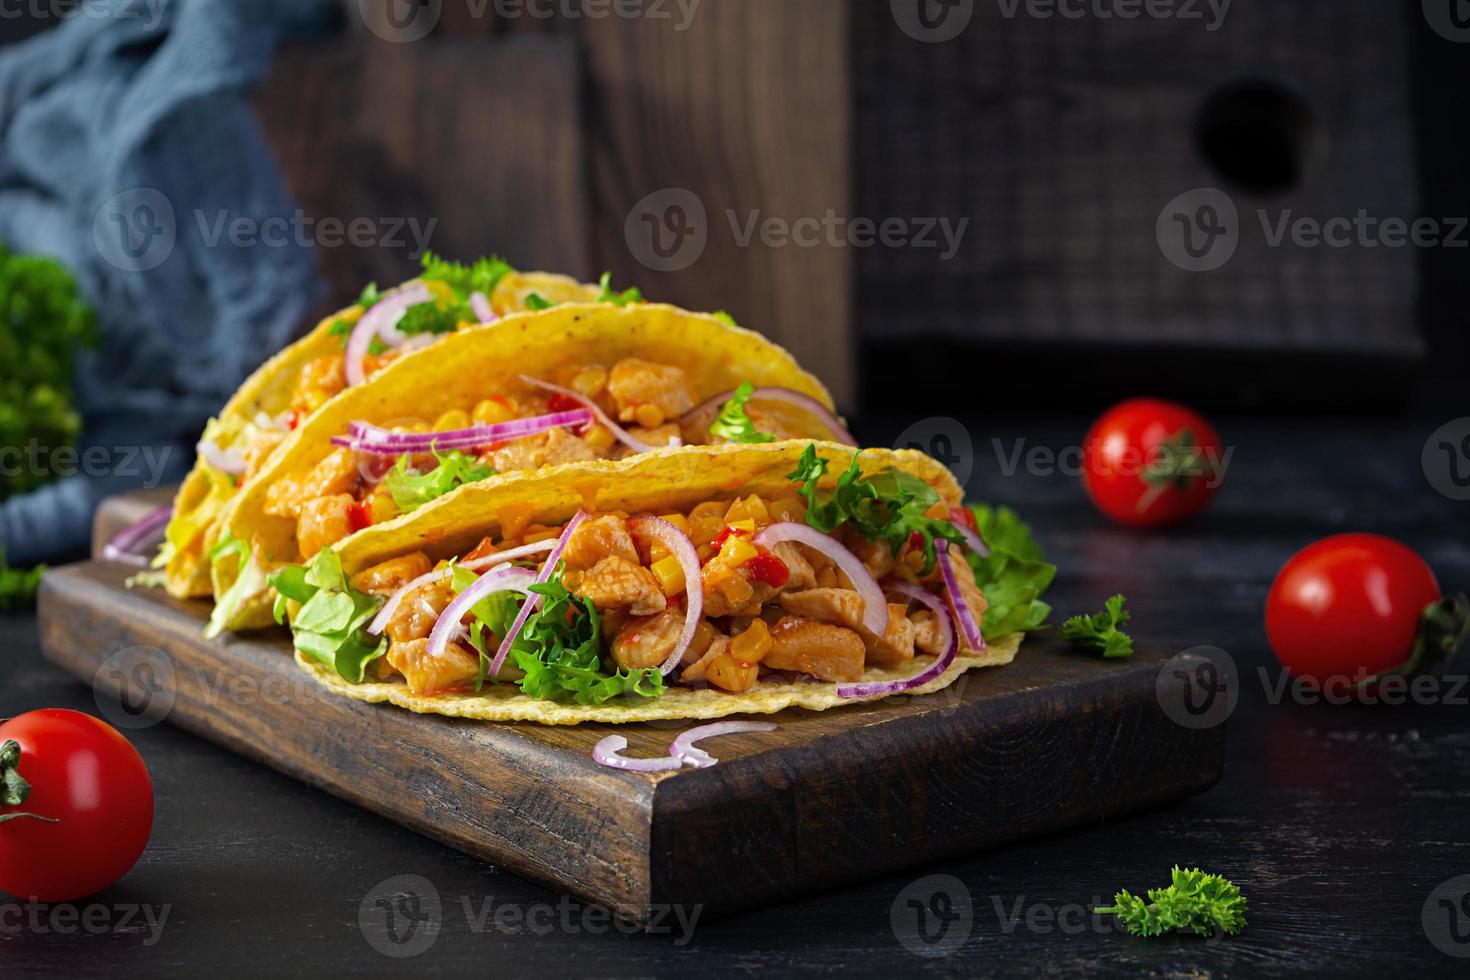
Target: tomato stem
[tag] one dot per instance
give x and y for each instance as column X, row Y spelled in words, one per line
column 1444, row 626
column 13, row 788
column 1178, row 462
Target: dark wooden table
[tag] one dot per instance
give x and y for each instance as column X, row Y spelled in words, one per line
column 1337, row 821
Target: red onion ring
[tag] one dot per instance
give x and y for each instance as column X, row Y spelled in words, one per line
column 380, row 322
column 499, row 580
column 875, row 606
column 968, row 625
column 230, row 461
column 973, row 539
column 481, row 305
column 684, row 750
column 370, row 439
column 380, row 621
column 788, row 395
column 681, row 548
column 606, row 753
column 938, row 667
column 637, row 445
column 534, row 601
column 122, row 547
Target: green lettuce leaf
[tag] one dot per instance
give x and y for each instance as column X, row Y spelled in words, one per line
column 330, row 623
column 411, row 489
column 1015, row 575
column 631, row 295
column 734, row 424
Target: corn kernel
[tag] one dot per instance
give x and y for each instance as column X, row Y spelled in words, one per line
column 752, row 509
column 736, row 551
column 649, row 416
column 703, row 530
column 441, row 291
column 710, row 508
column 788, row 509
column 455, row 418
column 747, row 525
column 749, row 647
column 590, row 382
column 670, row 575
column 492, row 412
column 383, row 507
column 599, row 440
column 678, row 520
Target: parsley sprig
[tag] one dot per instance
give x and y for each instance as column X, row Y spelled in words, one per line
column 734, row 423
column 608, row 295
column 1013, row 577
column 1194, row 900
column 1102, row 630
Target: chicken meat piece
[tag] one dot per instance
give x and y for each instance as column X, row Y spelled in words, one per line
column 323, row 522
column 260, row 449
column 388, row 577
column 634, row 384
column 420, row 609
column 549, row 448
column 318, row 381
column 596, row 539
column 800, row 574
column 337, row 474
column 928, row 636
column 646, row 641
column 844, row 607
column 616, row 582
column 453, row 670
column 827, row 652
column 695, row 672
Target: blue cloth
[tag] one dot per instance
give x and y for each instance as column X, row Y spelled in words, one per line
column 127, row 149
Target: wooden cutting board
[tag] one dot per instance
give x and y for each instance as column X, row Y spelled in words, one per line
column 1055, row 741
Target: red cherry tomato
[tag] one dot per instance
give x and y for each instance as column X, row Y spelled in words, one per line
column 768, row 569
column 1348, row 606
column 92, row 802
column 1149, row 462
column 360, row 515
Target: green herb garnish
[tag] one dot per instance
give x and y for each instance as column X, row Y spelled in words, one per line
column 366, row 300
column 329, row 624
column 1013, row 577
column 734, row 424
column 1101, row 630
column 725, row 318
column 249, row 580
column 481, row 277
column 536, row 302
column 631, row 295
column 1195, row 900
column 559, row 648
column 411, row 489
column 889, row 506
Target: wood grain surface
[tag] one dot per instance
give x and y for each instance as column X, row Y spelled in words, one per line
column 1054, row 741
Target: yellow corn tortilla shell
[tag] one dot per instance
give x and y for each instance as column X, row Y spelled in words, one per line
column 206, row 491
column 467, row 366
column 664, row 481
column 505, row 702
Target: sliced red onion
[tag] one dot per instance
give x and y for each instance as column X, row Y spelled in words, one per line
column 380, row 322
column 606, row 753
column 481, row 305
column 123, row 547
column 788, row 395
column 681, row 548
column 685, row 751
column 370, row 439
column 534, row 601
column 875, row 607
column 637, row 445
column 380, row 621
column 231, row 461
column 968, row 626
column 499, row 580
column 941, row 663
column 973, row 539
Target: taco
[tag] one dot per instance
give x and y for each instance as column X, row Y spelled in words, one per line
column 344, row 349
column 822, row 576
column 576, row 383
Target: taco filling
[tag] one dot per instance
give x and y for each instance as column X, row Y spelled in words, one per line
column 729, row 594
column 594, row 412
